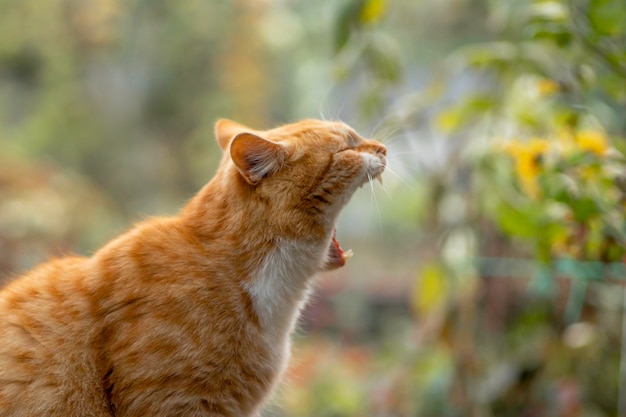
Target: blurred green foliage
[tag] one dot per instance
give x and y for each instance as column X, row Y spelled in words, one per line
column 534, row 169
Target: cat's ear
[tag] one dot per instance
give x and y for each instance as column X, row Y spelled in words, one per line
column 226, row 130
column 255, row 157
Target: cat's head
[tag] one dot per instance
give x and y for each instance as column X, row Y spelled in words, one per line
column 301, row 173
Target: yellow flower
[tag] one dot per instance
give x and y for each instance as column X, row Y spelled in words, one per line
column 528, row 158
column 373, row 10
column 511, row 147
column 565, row 141
column 538, row 146
column 547, row 87
column 592, row 141
column 431, row 289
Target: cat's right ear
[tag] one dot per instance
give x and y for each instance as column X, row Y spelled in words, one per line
column 226, row 130
column 255, row 157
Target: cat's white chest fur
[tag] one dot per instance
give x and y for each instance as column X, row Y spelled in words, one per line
column 280, row 286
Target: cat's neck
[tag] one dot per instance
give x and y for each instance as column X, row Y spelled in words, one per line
column 276, row 267
column 280, row 286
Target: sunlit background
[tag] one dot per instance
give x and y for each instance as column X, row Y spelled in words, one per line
column 488, row 276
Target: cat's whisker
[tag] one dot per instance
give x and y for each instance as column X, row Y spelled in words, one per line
column 389, row 135
column 386, row 135
column 395, row 154
column 373, row 203
column 340, row 110
column 323, row 108
column 391, row 171
column 373, row 198
column 380, row 127
column 382, row 187
column 393, row 120
column 369, row 215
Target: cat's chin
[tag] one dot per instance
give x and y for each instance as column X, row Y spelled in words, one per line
column 336, row 257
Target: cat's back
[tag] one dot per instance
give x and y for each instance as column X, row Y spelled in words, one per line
column 101, row 335
column 45, row 325
column 69, row 322
column 42, row 274
column 41, row 296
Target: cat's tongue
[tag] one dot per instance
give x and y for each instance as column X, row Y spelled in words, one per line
column 337, row 257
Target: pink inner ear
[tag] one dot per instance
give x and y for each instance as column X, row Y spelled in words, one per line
column 255, row 157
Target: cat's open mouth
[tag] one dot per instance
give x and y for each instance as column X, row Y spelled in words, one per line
column 378, row 177
column 337, row 257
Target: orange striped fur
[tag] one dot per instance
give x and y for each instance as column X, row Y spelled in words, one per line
column 188, row 315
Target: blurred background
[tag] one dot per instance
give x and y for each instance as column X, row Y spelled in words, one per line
column 488, row 276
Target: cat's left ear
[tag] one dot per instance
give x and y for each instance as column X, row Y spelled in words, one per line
column 226, row 130
column 255, row 157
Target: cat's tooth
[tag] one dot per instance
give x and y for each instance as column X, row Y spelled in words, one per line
column 379, row 178
column 347, row 255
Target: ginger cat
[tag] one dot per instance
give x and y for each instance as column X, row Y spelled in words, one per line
column 189, row 315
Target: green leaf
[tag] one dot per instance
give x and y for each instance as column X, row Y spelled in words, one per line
column 585, row 208
column 489, row 54
column 372, row 102
column 347, row 21
column 383, row 57
column 555, row 32
column 607, row 17
column 613, row 85
column 517, row 222
column 471, row 108
column 353, row 16
column 449, row 120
